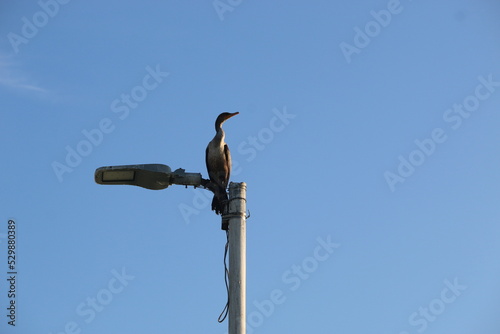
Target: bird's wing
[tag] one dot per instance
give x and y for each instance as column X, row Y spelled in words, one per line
column 227, row 155
column 206, row 159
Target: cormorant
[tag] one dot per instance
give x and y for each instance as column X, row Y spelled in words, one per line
column 218, row 160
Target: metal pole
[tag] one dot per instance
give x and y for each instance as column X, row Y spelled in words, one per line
column 237, row 258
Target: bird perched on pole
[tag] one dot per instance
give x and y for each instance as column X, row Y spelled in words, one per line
column 218, row 160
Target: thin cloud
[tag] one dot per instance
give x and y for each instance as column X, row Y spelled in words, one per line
column 20, row 84
column 11, row 77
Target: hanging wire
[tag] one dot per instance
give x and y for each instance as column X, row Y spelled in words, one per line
column 225, row 311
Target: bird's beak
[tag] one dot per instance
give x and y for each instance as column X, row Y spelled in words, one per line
column 229, row 115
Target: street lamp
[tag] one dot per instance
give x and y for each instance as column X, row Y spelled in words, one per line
column 158, row 176
column 149, row 176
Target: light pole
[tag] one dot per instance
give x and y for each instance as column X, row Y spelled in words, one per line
column 158, row 176
column 237, row 257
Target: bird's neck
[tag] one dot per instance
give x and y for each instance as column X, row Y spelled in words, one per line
column 219, row 136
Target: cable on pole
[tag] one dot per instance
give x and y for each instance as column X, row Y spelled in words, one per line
column 225, row 311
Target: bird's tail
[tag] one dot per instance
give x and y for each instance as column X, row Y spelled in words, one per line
column 219, row 201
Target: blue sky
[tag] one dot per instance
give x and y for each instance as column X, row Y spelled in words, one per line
column 367, row 136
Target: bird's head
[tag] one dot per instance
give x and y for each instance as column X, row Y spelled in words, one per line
column 222, row 118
